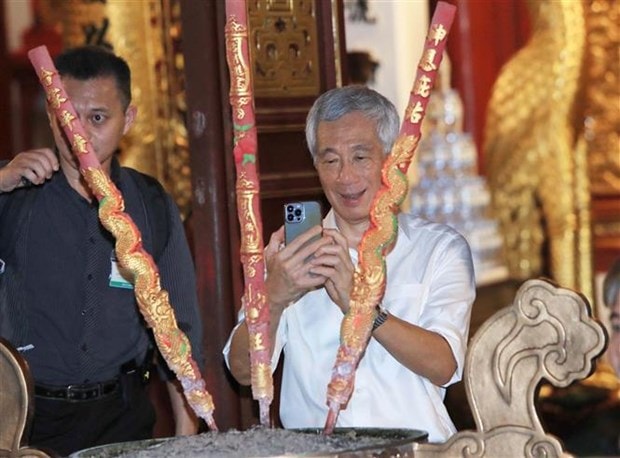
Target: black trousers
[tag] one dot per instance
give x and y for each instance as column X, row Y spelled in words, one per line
column 66, row 427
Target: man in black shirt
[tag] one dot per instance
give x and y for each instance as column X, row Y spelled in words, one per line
column 65, row 303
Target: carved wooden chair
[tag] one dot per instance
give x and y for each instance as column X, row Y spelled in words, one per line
column 16, row 391
column 548, row 332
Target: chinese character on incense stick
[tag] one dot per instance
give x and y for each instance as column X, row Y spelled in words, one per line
column 248, row 205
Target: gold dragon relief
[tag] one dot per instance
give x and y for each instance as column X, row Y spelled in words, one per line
column 368, row 283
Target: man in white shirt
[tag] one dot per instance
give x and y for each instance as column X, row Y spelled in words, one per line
column 419, row 338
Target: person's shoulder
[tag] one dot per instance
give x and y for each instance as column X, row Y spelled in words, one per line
column 138, row 175
column 148, row 185
column 418, row 229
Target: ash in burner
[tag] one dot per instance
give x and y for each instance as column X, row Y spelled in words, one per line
column 255, row 442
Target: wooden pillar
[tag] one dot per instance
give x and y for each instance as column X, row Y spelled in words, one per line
column 5, row 93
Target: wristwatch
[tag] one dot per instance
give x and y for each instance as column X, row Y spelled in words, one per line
column 382, row 316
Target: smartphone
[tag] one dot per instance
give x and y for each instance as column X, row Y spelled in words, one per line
column 299, row 217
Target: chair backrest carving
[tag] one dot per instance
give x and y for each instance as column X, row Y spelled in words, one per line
column 16, row 391
column 548, row 332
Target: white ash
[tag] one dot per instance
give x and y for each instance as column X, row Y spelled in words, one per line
column 253, row 443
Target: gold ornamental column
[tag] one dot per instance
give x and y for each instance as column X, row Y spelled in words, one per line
column 144, row 33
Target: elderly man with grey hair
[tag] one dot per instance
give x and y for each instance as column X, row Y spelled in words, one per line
column 419, row 337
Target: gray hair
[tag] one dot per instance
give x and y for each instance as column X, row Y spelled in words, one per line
column 335, row 103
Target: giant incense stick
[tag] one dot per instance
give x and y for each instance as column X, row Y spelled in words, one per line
column 248, row 204
column 369, row 278
column 153, row 302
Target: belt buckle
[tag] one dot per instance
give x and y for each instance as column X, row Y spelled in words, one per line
column 78, row 393
column 74, row 393
column 68, row 392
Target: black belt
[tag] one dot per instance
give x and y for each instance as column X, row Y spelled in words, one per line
column 84, row 392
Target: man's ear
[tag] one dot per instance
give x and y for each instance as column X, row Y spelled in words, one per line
column 130, row 116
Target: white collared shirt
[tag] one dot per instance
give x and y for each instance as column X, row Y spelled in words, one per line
column 431, row 284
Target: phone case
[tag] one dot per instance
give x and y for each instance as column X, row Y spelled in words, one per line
column 299, row 217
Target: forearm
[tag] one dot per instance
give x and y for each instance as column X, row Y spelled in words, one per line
column 185, row 421
column 239, row 355
column 424, row 352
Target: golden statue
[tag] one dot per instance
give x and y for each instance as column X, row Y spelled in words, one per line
column 536, row 152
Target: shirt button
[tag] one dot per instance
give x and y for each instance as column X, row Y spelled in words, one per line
column 90, row 276
column 84, row 347
column 91, row 240
column 83, row 312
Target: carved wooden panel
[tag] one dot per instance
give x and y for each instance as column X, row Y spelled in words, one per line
column 16, row 403
column 284, row 49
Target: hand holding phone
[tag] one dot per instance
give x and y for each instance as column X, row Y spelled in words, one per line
column 299, row 217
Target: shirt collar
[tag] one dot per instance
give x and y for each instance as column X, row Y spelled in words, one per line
column 329, row 222
column 115, row 170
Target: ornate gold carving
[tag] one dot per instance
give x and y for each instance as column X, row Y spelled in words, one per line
column 369, row 278
column 284, row 48
column 153, row 301
column 247, row 193
column 533, row 151
column 248, row 206
column 243, row 79
column 604, row 229
column 336, row 19
column 241, row 84
column 602, row 126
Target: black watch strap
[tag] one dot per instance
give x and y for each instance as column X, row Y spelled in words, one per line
column 382, row 316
